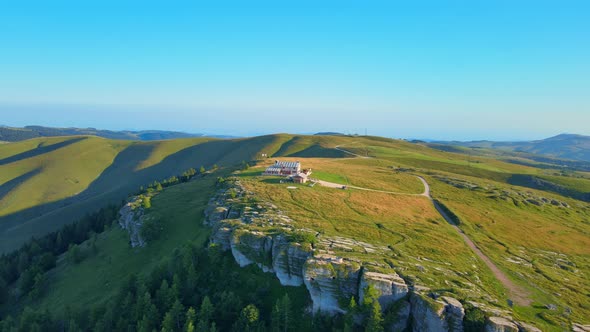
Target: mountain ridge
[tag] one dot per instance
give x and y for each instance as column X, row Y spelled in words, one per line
column 564, row 146
column 17, row 134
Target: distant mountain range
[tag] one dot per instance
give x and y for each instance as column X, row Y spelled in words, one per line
column 12, row 134
column 564, row 146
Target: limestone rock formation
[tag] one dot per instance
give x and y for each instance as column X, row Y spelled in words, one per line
column 252, row 247
column 330, row 281
column 333, row 269
column 500, row 324
column 131, row 219
column 428, row 314
column 288, row 260
column 390, row 286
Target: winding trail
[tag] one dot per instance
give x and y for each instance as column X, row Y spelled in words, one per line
column 518, row 294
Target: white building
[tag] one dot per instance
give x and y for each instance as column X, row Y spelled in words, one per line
column 284, row 168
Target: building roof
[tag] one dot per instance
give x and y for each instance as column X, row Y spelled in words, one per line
column 286, row 164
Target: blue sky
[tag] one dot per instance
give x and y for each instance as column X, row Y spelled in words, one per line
column 412, row 69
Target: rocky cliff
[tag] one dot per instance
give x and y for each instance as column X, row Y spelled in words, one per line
column 131, row 218
column 333, row 269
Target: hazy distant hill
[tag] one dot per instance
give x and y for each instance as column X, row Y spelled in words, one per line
column 11, row 134
column 568, row 146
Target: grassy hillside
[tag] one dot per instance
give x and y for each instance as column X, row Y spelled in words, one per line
column 537, row 235
column 11, row 134
column 565, row 146
column 48, row 182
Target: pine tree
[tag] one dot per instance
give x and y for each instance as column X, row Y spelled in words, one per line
column 205, row 314
column 286, row 312
column 190, row 327
column 168, row 324
column 375, row 319
column 177, row 312
column 191, row 317
column 275, row 320
column 349, row 316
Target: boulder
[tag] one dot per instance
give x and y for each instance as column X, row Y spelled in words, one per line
column 524, row 327
column 580, row 328
column 500, row 324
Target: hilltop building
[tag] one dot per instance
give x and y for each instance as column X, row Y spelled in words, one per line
column 284, row 168
column 289, row 169
column 300, row 178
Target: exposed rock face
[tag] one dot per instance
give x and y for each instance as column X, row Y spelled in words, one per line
column 330, row 281
column 131, row 219
column 221, row 236
column 288, row 260
column 402, row 317
column 500, row 324
column 581, row 328
column 524, row 327
column 428, row 314
column 390, row 286
column 261, row 234
column 252, row 247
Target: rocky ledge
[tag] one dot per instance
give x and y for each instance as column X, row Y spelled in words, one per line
column 131, row 218
column 259, row 233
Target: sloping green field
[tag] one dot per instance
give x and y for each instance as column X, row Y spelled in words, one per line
column 539, row 238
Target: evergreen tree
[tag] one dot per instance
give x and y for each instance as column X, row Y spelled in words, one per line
column 349, row 316
column 190, row 327
column 286, row 313
column 275, row 319
column 375, row 319
column 168, row 324
column 176, row 312
column 205, row 314
column 191, row 317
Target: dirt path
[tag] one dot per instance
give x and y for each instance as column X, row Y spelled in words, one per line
column 518, row 294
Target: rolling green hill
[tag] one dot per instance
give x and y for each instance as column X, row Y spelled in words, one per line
column 532, row 223
column 564, row 146
column 11, row 134
column 48, row 182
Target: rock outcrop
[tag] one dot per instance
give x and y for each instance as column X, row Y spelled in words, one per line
column 131, row 219
column 500, row 324
column 444, row 314
column 331, row 281
column 391, row 286
column 288, row 260
column 333, row 269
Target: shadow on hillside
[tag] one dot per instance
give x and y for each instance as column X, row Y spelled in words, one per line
column 6, row 187
column 116, row 183
column 40, row 150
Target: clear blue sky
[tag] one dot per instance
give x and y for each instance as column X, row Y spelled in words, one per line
column 422, row 69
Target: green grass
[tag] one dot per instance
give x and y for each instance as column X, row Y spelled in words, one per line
column 325, row 176
column 98, row 277
column 552, row 242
